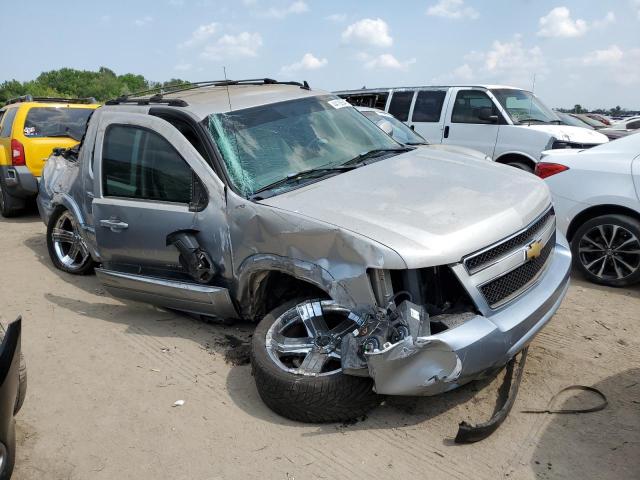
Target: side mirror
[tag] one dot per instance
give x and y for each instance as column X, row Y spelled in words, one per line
column 386, row 127
column 486, row 115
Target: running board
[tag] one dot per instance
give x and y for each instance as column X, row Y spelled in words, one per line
column 189, row 297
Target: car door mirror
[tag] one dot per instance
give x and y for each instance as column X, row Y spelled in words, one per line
column 199, row 195
column 486, row 115
column 386, row 127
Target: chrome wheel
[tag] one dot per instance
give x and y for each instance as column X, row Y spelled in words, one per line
column 306, row 339
column 67, row 242
column 610, row 252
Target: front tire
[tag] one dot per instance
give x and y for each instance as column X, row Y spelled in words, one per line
column 66, row 247
column 606, row 250
column 297, row 369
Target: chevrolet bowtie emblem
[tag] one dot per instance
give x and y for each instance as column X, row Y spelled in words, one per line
column 534, row 250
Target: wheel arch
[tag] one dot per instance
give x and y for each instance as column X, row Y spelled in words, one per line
column 597, row 211
column 507, row 157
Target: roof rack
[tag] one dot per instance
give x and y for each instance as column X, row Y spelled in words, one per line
column 181, row 87
column 31, row 98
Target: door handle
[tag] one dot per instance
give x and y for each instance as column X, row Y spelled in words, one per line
column 446, row 131
column 114, row 224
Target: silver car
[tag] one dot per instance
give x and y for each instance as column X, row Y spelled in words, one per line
column 372, row 267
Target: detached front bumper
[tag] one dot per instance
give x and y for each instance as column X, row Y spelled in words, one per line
column 438, row 363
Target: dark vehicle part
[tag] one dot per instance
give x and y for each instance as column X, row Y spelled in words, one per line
column 10, row 206
column 606, row 250
column 66, row 247
column 295, row 359
column 596, row 408
column 193, row 258
column 507, row 393
column 10, row 360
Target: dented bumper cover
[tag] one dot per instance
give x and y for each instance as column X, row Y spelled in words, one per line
column 437, row 363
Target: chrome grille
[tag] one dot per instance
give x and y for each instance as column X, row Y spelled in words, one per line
column 477, row 261
column 504, row 287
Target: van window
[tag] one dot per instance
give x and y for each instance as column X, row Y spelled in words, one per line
column 372, row 100
column 138, row 163
column 400, row 104
column 7, row 125
column 473, row 106
column 428, row 106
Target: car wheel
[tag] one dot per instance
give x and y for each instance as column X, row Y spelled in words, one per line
column 606, row 250
column 295, row 357
column 8, row 454
column 66, row 247
column 22, row 385
column 521, row 166
column 10, row 206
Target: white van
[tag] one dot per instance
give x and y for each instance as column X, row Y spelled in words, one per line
column 510, row 125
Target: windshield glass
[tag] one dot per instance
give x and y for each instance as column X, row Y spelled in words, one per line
column 56, row 122
column 592, row 121
column 262, row 145
column 524, row 107
column 401, row 132
column 573, row 121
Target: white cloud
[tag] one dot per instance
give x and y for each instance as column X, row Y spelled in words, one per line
column 200, row 35
column 635, row 4
column 385, row 61
column 183, row 67
column 244, row 44
column 337, row 17
column 608, row 56
column 608, row 19
column 558, row 23
column 368, row 31
column 299, row 6
column 141, row 22
column 455, row 9
column 307, row 62
column 105, row 18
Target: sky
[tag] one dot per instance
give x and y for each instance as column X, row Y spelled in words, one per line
column 580, row 51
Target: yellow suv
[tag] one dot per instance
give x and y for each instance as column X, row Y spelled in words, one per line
column 30, row 128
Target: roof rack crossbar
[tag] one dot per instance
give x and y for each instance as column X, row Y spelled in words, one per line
column 31, row 98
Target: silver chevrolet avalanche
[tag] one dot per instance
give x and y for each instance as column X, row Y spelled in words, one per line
column 373, row 268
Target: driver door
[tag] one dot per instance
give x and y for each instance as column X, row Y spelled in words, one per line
column 146, row 174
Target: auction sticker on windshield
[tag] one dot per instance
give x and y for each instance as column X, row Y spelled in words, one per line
column 339, row 103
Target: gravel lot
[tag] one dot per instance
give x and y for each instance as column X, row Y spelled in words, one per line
column 103, row 376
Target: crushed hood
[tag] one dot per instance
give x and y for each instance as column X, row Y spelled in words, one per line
column 431, row 206
column 568, row 133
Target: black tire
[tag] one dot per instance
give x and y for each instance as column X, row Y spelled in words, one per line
column 321, row 399
column 84, row 269
column 627, row 223
column 10, row 459
column 10, row 206
column 521, row 166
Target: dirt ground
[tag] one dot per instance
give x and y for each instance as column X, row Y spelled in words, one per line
column 104, row 374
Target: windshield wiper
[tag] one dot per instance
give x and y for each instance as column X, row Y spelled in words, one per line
column 304, row 174
column 374, row 153
column 67, row 134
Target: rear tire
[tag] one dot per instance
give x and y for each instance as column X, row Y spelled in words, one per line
column 22, row 385
column 10, row 206
column 603, row 250
column 63, row 236
column 330, row 397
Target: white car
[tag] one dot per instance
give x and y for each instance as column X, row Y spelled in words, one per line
column 403, row 134
column 632, row 123
column 596, row 196
column 509, row 124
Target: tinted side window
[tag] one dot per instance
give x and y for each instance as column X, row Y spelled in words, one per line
column 633, row 125
column 400, row 104
column 472, row 106
column 138, row 163
column 373, row 100
column 428, row 106
column 7, row 125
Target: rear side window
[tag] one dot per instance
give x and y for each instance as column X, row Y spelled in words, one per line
column 400, row 104
column 633, row 125
column 56, row 122
column 138, row 163
column 7, row 124
column 373, row 100
column 428, row 106
column 473, row 106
